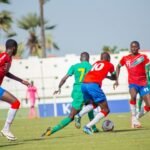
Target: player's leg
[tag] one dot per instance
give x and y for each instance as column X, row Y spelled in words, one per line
column 33, row 110
column 133, row 90
column 91, row 117
column 76, row 107
column 139, row 104
column 8, row 97
column 98, row 98
column 63, row 123
column 87, row 108
column 145, row 93
column 103, row 113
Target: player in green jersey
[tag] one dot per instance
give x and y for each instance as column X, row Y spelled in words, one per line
column 78, row 70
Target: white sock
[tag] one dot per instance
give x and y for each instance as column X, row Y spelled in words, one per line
column 96, row 119
column 10, row 117
column 141, row 113
column 133, row 109
column 85, row 110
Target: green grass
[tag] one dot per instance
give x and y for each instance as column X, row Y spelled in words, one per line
column 70, row 138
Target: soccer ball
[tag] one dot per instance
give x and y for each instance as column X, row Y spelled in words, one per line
column 107, row 125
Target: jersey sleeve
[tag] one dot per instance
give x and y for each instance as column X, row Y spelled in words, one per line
column 122, row 61
column 71, row 71
column 4, row 58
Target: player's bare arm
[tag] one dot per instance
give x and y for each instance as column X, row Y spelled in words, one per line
column 7, row 66
column 10, row 75
column 117, row 76
column 63, row 80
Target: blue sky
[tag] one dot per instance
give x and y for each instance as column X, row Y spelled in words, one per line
column 88, row 25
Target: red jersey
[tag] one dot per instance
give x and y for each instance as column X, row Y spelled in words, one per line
column 98, row 72
column 136, row 68
column 5, row 63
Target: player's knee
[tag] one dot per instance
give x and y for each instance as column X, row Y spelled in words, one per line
column 71, row 116
column 15, row 104
column 94, row 105
column 105, row 112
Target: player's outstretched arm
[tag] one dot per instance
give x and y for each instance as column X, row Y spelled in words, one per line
column 117, row 76
column 61, row 83
column 10, row 75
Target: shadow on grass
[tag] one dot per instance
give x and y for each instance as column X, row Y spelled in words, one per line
column 48, row 138
column 130, row 130
column 11, row 144
column 24, row 141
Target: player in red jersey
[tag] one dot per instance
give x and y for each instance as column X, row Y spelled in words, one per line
column 92, row 92
column 5, row 63
column 135, row 64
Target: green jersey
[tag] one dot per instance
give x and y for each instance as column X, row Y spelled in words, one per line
column 79, row 70
column 147, row 67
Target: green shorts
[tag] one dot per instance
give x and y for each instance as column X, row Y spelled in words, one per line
column 77, row 97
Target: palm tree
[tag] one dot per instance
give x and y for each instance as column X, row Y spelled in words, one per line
column 41, row 2
column 50, row 43
column 109, row 49
column 5, row 1
column 6, row 20
column 32, row 24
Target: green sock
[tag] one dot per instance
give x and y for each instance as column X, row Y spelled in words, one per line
column 91, row 116
column 61, row 125
column 139, row 104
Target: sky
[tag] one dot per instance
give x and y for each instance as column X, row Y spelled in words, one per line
column 88, row 25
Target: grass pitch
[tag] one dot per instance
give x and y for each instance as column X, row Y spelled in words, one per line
column 70, row 138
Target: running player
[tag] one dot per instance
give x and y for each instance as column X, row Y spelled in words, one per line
column 135, row 64
column 5, row 63
column 78, row 70
column 92, row 92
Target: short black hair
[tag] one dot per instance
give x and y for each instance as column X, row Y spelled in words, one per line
column 135, row 42
column 105, row 56
column 11, row 43
column 84, row 56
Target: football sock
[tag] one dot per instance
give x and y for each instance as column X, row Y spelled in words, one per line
column 91, row 117
column 85, row 110
column 144, row 110
column 61, row 125
column 133, row 107
column 10, row 117
column 97, row 118
column 139, row 105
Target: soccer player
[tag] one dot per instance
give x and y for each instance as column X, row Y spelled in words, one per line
column 135, row 64
column 92, row 92
column 31, row 95
column 5, row 63
column 78, row 70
